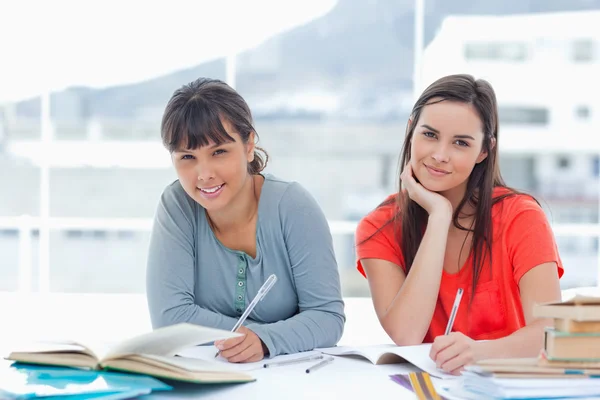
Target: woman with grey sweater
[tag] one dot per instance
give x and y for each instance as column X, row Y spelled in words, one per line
column 223, row 227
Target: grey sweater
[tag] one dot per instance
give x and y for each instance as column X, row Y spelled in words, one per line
column 192, row 277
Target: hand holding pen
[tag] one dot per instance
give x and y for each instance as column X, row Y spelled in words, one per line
column 238, row 349
column 453, row 350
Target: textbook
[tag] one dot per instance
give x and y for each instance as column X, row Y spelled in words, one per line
column 579, row 308
column 572, row 326
column 149, row 354
column 528, row 368
column 571, row 346
column 391, row 354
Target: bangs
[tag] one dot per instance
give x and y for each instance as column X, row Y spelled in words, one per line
column 195, row 124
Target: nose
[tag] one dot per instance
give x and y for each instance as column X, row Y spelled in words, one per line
column 205, row 171
column 441, row 154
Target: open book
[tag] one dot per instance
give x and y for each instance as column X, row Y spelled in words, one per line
column 390, row 354
column 150, row 354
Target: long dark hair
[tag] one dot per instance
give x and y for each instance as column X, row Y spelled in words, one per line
column 193, row 115
column 410, row 220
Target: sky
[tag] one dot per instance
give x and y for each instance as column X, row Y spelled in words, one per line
column 50, row 45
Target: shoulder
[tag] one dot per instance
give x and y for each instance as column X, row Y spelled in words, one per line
column 285, row 195
column 510, row 204
column 517, row 211
column 378, row 219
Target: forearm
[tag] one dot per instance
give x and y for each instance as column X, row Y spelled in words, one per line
column 404, row 321
column 526, row 342
column 305, row 331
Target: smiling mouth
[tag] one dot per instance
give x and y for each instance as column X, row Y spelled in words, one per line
column 212, row 190
column 439, row 171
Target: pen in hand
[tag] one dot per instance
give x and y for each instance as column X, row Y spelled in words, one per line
column 264, row 289
column 459, row 294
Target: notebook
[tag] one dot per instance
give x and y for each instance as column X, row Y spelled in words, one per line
column 26, row 381
column 390, row 354
column 207, row 353
column 150, row 354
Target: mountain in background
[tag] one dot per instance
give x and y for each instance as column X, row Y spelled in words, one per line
column 354, row 63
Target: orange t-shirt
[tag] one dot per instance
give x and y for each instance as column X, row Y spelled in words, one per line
column 522, row 239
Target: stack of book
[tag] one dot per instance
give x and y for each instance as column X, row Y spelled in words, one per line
column 575, row 338
column 568, row 365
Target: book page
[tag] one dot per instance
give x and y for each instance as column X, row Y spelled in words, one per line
column 416, row 355
column 169, row 340
column 54, row 352
column 207, row 354
column 419, row 357
column 371, row 353
column 183, row 363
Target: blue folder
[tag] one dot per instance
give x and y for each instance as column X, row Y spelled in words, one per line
column 27, row 381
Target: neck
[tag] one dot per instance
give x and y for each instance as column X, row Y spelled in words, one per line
column 240, row 212
column 467, row 212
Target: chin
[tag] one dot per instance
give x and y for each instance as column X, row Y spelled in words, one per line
column 435, row 187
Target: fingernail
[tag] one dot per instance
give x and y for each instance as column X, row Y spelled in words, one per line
column 220, row 346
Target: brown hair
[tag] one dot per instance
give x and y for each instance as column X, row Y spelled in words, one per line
column 193, row 115
column 410, row 219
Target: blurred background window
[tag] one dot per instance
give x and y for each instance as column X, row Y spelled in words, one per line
column 331, row 85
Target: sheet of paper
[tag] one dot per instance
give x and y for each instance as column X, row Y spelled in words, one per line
column 168, row 341
column 416, row 355
column 207, row 353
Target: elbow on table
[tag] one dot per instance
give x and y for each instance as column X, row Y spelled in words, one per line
column 165, row 317
column 403, row 336
column 336, row 329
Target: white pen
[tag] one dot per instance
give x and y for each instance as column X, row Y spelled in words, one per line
column 454, row 311
column 319, row 365
column 264, row 289
column 297, row 360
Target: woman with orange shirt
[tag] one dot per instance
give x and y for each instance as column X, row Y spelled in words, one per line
column 455, row 224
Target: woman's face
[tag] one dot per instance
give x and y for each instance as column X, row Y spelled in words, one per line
column 214, row 175
column 446, row 145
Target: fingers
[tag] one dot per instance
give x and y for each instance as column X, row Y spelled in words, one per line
column 229, row 343
column 408, row 181
column 439, row 344
column 236, row 354
column 247, row 355
column 447, row 354
column 456, row 364
column 454, row 357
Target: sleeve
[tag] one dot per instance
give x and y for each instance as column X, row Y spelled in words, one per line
column 530, row 240
column 375, row 239
column 320, row 320
column 170, row 274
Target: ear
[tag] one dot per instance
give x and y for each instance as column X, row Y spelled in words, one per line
column 250, row 146
column 483, row 155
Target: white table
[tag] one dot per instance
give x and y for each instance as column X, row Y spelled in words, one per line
column 110, row 318
column 344, row 378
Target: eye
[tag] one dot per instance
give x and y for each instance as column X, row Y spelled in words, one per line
column 219, row 152
column 429, row 134
column 462, row 143
column 187, row 157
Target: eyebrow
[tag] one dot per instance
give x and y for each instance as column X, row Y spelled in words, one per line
column 209, row 147
column 455, row 136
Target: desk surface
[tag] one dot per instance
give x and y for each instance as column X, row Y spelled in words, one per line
column 112, row 318
column 344, row 378
column 92, row 318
